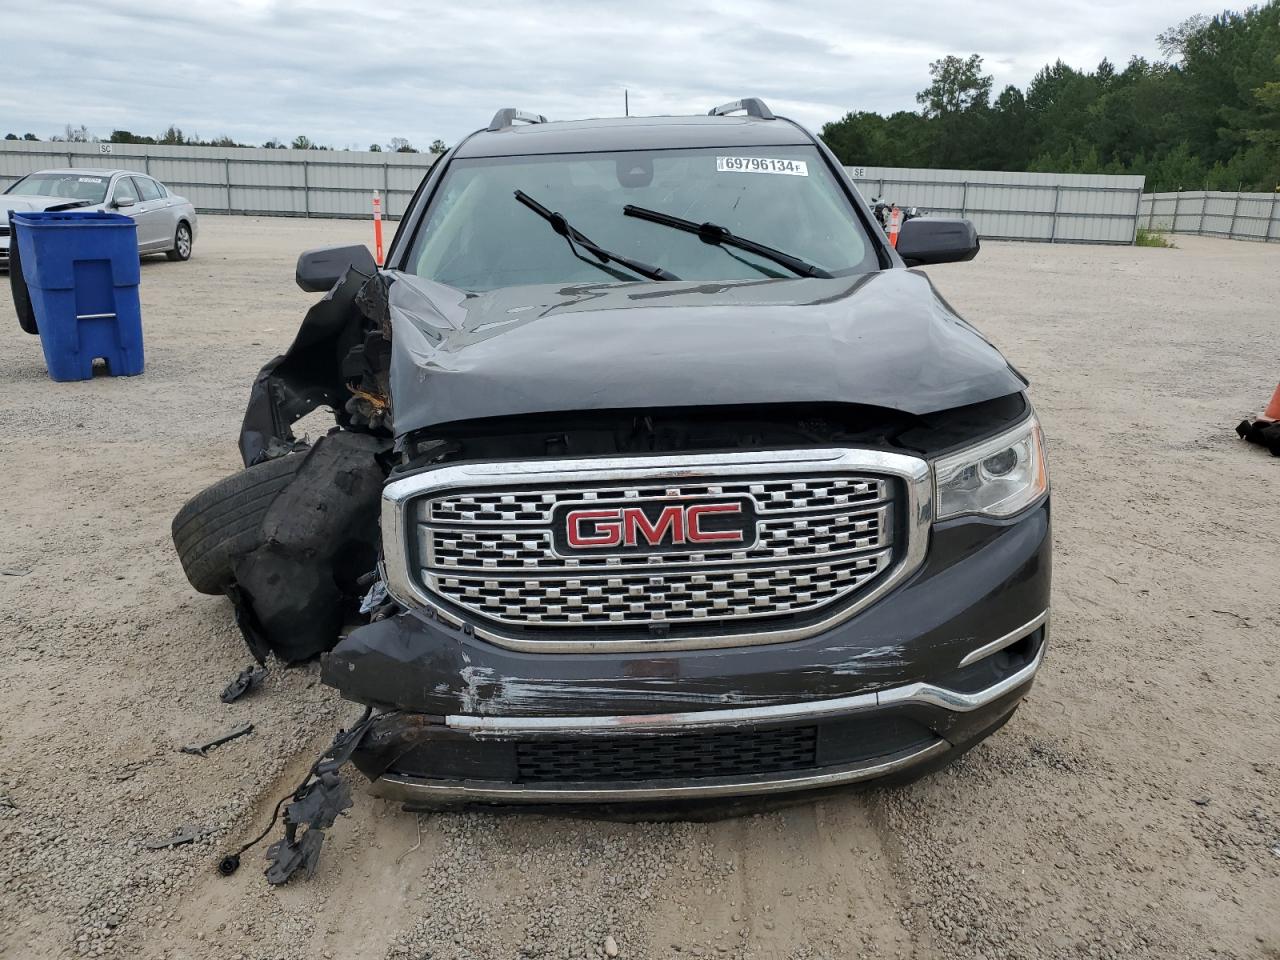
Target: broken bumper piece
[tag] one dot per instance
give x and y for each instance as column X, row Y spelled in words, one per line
column 899, row 689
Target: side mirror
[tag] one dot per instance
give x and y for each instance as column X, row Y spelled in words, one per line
column 318, row 270
column 122, row 203
column 925, row 240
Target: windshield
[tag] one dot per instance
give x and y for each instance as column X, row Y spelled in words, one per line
column 478, row 237
column 71, row 186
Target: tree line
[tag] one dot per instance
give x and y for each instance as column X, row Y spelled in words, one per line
column 1205, row 116
column 174, row 136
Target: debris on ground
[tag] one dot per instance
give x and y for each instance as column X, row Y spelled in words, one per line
column 247, row 680
column 1263, row 432
column 202, row 750
column 187, row 833
column 315, row 806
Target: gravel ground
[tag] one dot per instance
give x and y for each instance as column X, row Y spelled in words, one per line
column 1131, row 808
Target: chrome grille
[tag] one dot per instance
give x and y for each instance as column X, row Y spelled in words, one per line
column 821, row 539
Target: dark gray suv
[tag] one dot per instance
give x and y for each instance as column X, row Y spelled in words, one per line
column 659, row 473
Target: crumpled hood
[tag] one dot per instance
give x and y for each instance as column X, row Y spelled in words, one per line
column 884, row 339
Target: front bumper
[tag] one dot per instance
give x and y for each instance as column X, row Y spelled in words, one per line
column 907, row 684
column 906, row 717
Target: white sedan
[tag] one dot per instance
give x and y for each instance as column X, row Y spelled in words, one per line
column 166, row 222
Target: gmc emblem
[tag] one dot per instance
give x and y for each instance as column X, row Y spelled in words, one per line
column 683, row 525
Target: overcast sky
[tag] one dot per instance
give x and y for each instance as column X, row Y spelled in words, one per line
column 257, row 69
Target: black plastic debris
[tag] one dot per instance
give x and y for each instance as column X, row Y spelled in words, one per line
column 247, row 680
column 202, row 749
column 319, row 537
column 1265, row 433
column 187, row 833
column 309, row 811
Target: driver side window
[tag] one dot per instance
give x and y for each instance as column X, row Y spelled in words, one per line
column 124, row 190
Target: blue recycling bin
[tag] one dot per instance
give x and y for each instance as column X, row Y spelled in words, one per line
column 81, row 271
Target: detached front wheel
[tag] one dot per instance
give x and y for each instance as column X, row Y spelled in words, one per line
column 223, row 523
column 181, row 243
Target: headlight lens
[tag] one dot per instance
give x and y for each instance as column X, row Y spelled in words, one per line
column 996, row 478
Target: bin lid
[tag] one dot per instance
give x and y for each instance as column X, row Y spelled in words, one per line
column 70, row 218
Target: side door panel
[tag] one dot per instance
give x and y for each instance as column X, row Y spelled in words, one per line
column 150, row 215
column 125, row 189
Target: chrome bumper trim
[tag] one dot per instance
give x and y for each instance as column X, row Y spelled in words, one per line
column 1008, row 640
column 916, row 693
column 414, row 790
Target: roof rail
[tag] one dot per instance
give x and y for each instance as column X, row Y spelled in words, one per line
column 507, row 117
column 754, row 106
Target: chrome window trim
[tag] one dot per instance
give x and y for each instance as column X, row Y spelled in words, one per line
column 397, row 528
column 927, row 694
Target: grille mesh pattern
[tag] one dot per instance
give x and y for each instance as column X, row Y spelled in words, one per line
column 771, row 495
column 795, row 537
column 819, row 540
column 727, row 754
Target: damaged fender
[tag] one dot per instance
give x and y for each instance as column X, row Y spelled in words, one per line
column 339, row 358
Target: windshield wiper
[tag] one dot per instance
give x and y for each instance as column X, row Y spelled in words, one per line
column 576, row 239
column 716, row 234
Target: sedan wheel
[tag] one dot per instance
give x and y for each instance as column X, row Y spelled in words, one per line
column 181, row 244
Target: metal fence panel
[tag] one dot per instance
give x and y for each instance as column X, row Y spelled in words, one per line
column 1009, row 205
column 1003, row 205
column 1236, row 216
column 327, row 183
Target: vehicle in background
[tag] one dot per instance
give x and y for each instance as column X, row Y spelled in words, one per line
column 166, row 222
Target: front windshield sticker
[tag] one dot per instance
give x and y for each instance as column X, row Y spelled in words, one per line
column 792, row 168
column 90, row 179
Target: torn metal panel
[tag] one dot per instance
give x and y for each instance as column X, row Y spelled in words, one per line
column 322, row 365
column 882, row 339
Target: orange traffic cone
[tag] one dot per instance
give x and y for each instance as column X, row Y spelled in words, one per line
column 1273, row 408
column 895, row 225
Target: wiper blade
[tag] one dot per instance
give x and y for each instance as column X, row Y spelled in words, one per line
column 716, row 234
column 576, row 239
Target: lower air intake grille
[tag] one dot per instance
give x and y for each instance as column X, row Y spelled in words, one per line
column 728, row 754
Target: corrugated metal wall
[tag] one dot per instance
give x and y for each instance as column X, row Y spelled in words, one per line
column 1052, row 207
column 316, row 183
column 1239, row 216
column 1011, row 206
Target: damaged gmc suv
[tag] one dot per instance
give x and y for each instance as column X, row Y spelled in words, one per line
column 658, row 475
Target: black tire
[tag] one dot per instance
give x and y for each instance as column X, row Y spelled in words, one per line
column 181, row 242
column 21, row 295
column 224, row 522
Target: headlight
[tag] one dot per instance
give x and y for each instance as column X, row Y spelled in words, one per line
column 997, row 478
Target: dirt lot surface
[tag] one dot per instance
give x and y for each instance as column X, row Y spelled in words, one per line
column 1131, row 808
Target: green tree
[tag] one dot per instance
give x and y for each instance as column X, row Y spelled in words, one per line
column 957, row 86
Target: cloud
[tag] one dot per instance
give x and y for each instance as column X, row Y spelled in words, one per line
column 256, row 69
